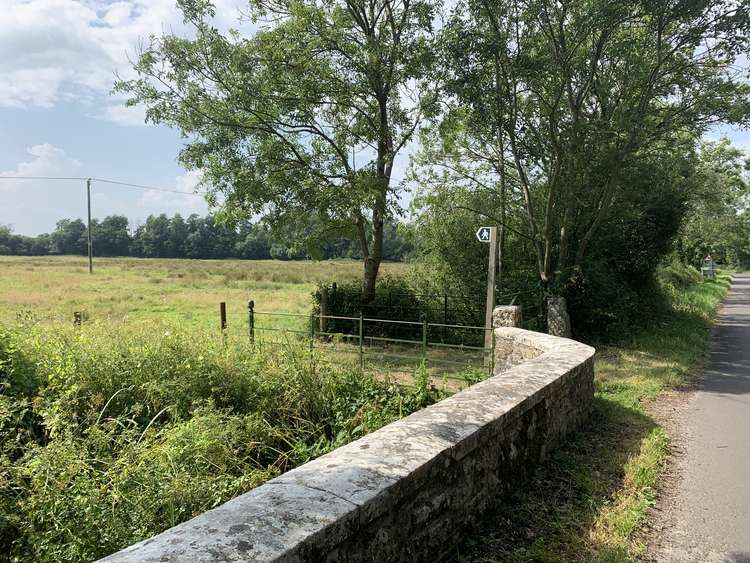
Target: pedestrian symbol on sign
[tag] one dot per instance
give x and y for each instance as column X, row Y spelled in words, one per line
column 484, row 234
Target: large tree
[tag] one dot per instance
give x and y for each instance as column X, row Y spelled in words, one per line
column 717, row 217
column 552, row 102
column 304, row 115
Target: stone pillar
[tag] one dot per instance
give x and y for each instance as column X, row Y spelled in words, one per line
column 558, row 320
column 507, row 315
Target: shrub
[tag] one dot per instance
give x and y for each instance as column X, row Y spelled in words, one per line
column 395, row 300
column 676, row 274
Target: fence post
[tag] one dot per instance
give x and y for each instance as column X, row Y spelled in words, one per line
column 424, row 341
column 323, row 321
column 361, row 341
column 312, row 331
column 445, row 317
column 223, row 315
column 492, row 354
column 251, row 320
column 77, row 318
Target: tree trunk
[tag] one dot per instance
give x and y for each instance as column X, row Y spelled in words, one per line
column 373, row 259
column 383, row 170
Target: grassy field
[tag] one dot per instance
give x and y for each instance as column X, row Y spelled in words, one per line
column 135, row 291
column 588, row 502
column 146, row 415
column 188, row 291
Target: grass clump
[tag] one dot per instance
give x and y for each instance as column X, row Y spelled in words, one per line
column 111, row 434
column 587, row 502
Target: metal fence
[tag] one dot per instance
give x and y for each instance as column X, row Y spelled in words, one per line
column 367, row 339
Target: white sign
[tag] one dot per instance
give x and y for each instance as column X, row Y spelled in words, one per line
column 483, row 234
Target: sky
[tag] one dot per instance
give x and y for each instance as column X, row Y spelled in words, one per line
column 58, row 62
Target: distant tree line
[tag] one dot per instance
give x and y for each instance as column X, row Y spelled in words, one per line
column 195, row 237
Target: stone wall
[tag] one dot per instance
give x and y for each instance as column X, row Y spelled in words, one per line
column 407, row 491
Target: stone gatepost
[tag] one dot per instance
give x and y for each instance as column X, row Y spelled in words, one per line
column 507, row 315
column 558, row 320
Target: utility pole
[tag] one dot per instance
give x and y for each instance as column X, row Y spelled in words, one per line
column 91, row 248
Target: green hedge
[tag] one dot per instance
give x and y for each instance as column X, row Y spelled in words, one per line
column 396, row 300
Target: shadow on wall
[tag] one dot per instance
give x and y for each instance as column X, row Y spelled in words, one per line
column 551, row 518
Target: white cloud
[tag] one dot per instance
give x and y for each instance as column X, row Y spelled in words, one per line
column 70, row 50
column 166, row 202
column 25, row 204
column 46, row 160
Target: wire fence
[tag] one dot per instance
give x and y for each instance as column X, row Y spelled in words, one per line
column 448, row 350
column 368, row 342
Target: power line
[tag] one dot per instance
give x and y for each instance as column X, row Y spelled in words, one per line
column 102, row 180
column 88, row 198
column 41, row 178
column 142, row 187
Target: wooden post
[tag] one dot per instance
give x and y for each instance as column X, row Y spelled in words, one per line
column 361, row 341
column 223, row 315
column 251, row 320
column 490, row 305
column 445, row 317
column 323, row 321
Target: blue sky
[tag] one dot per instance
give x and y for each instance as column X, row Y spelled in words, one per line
column 57, row 66
column 58, row 60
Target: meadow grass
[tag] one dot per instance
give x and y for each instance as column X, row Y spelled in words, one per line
column 138, row 292
column 123, row 290
column 147, row 414
column 589, row 500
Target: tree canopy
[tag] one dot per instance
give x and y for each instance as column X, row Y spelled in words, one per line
column 196, row 237
column 305, row 116
column 551, row 104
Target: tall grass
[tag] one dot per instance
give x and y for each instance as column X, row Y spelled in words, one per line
column 111, row 433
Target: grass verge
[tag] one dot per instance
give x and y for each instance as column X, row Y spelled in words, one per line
column 588, row 500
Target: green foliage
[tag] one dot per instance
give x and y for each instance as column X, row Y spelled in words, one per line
column 126, row 431
column 198, row 238
column 303, row 116
column 572, row 126
column 676, row 275
column 717, row 221
column 397, row 299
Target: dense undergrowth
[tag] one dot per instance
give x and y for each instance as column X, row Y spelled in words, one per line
column 590, row 499
column 110, row 435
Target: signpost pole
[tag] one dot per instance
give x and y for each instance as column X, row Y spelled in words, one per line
column 491, row 267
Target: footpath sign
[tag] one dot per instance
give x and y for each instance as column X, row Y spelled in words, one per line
column 709, row 267
column 484, row 234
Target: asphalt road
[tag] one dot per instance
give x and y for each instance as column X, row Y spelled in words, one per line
column 710, row 507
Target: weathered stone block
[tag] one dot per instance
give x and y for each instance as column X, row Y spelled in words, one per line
column 558, row 320
column 507, row 315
